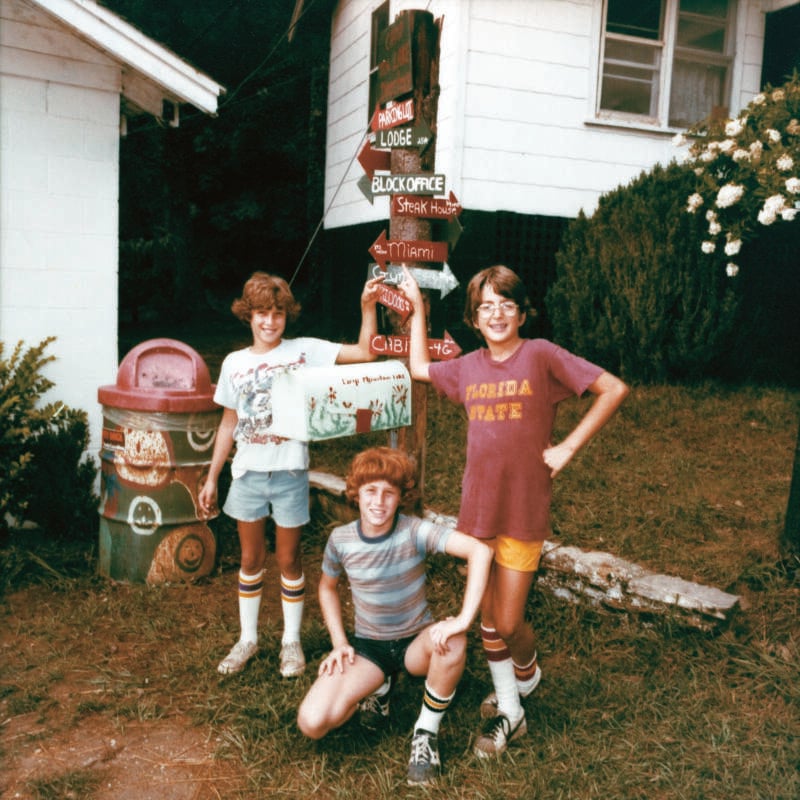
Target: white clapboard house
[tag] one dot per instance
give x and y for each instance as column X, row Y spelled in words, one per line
column 71, row 73
column 547, row 104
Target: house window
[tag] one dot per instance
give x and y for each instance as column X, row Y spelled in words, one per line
column 666, row 62
column 380, row 22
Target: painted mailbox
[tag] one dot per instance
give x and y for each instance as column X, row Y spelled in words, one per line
column 317, row 403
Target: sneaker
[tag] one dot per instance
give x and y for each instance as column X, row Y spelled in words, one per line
column 373, row 711
column 424, row 766
column 489, row 704
column 237, row 658
column 293, row 662
column 497, row 733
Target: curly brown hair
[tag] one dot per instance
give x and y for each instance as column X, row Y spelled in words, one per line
column 382, row 464
column 262, row 292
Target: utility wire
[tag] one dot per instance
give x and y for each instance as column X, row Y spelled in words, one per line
column 325, row 212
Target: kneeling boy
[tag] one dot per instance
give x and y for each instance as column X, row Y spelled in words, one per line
column 382, row 554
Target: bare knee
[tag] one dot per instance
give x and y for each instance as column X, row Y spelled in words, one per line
column 310, row 724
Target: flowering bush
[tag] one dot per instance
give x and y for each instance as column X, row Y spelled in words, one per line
column 747, row 169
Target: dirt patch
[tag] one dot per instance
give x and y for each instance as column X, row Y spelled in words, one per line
column 169, row 759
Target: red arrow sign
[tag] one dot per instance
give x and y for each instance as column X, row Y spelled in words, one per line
column 410, row 250
column 395, row 301
column 371, row 159
column 392, row 115
column 399, row 346
column 409, row 205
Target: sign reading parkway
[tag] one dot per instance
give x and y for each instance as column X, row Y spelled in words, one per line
column 412, row 183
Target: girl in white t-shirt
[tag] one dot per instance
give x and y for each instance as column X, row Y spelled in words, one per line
column 270, row 473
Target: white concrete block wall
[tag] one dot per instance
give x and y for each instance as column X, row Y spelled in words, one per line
column 59, row 166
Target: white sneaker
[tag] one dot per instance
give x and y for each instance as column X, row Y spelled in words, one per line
column 489, row 703
column 293, row 662
column 235, row 661
column 497, row 733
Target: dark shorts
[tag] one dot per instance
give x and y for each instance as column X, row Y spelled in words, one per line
column 386, row 655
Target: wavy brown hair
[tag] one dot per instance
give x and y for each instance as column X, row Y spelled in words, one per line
column 262, row 292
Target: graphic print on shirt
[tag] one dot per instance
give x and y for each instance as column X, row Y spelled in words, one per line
column 496, row 401
column 254, row 389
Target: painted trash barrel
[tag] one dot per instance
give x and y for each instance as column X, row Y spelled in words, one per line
column 159, row 427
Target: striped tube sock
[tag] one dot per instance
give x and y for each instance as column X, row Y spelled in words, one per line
column 293, row 593
column 250, row 590
column 501, row 669
column 526, row 676
column 432, row 711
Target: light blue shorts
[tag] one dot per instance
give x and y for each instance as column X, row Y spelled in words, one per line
column 283, row 495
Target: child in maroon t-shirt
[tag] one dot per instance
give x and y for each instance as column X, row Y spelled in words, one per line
column 510, row 390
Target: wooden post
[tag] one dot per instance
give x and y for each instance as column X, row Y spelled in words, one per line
column 790, row 541
column 425, row 34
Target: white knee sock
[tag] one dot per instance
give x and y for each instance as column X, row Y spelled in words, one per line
column 250, row 590
column 292, row 601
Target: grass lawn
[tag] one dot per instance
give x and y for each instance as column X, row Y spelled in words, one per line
column 691, row 481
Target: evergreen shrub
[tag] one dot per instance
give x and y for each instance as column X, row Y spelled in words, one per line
column 44, row 477
column 633, row 290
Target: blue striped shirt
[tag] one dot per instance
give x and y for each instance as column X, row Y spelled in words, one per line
column 386, row 574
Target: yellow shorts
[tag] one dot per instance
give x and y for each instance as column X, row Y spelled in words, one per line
column 514, row 554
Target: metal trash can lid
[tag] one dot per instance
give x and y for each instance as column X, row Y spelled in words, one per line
column 161, row 375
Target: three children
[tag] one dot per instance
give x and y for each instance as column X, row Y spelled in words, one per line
column 510, row 389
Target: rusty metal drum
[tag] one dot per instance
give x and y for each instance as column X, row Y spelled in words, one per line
column 159, row 427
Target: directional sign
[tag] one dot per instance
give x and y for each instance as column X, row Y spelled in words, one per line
column 392, row 115
column 409, row 136
column 442, row 280
column 384, row 250
column 395, row 301
column 400, row 346
column 364, row 184
column 425, row 207
column 371, row 159
column 410, row 183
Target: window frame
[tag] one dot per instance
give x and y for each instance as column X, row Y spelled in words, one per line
column 667, row 48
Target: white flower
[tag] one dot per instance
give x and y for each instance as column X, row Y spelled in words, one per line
column 755, row 150
column 735, row 126
column 793, row 185
column 788, row 214
column 772, row 207
column 699, row 171
column 708, row 247
column 759, row 99
column 729, row 194
column 773, row 136
column 694, row 202
column 727, row 145
column 714, row 228
column 793, row 127
column 732, row 269
column 784, row 163
column 711, row 215
column 778, row 95
column 708, row 155
column 741, row 155
column 679, row 140
column 733, row 246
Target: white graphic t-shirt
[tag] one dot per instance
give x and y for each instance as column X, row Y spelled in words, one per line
column 245, row 385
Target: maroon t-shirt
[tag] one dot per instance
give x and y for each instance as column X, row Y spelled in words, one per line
column 511, row 407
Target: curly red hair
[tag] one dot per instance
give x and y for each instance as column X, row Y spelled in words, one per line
column 382, row 464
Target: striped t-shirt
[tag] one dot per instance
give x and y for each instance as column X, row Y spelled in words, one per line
column 386, row 574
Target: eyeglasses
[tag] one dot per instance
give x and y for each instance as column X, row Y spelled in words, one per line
column 507, row 308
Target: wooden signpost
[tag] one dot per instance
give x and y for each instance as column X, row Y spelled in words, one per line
column 404, row 126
